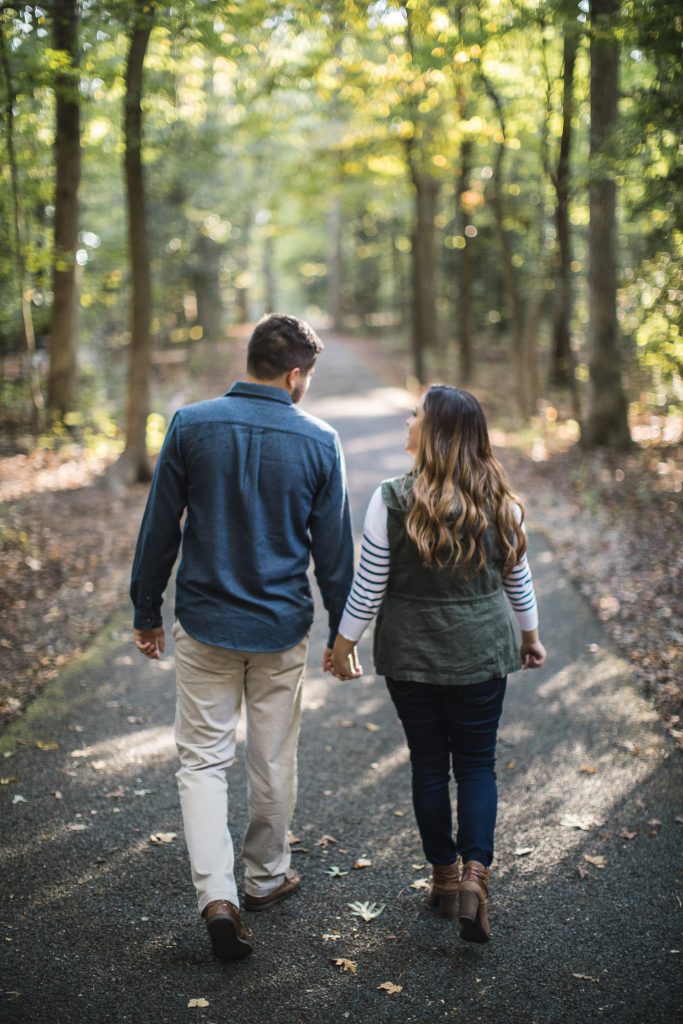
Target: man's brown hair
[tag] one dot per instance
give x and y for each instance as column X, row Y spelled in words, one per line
column 280, row 343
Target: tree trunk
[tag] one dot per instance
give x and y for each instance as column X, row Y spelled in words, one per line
column 134, row 464
column 425, row 331
column 607, row 417
column 561, row 371
column 37, row 405
column 464, row 307
column 269, row 281
column 334, row 294
column 62, row 376
column 207, row 286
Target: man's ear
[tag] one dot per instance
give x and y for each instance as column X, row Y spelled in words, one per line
column 293, row 378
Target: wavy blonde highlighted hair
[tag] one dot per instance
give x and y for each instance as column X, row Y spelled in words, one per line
column 460, row 488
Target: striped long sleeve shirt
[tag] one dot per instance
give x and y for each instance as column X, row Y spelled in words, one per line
column 371, row 578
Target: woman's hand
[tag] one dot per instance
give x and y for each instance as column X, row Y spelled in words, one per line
column 345, row 663
column 531, row 651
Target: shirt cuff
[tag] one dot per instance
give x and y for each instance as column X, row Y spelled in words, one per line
column 147, row 618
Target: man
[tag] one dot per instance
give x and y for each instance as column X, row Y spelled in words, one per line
column 263, row 486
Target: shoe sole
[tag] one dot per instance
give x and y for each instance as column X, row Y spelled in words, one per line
column 225, row 941
column 254, row 908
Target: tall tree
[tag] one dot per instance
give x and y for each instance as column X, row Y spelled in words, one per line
column 62, row 374
column 36, row 396
column 606, row 421
column 133, row 466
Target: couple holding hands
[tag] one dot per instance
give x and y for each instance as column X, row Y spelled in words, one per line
column 261, row 486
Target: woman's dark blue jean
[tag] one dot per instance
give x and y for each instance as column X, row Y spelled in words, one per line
column 452, row 726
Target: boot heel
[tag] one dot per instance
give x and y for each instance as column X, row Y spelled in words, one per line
column 469, row 906
column 448, row 906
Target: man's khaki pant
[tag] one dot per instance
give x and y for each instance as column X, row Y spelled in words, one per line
column 211, row 682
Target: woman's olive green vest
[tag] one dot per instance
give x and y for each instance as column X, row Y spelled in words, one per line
column 435, row 625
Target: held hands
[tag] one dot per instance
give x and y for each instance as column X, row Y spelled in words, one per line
column 150, row 641
column 342, row 661
column 531, row 651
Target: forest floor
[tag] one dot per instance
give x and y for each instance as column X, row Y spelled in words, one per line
column 66, row 539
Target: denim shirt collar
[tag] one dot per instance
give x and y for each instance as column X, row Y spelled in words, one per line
column 246, row 389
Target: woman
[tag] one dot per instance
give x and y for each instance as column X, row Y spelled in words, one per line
column 441, row 548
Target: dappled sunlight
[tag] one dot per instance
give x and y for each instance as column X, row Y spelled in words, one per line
column 372, row 442
column 378, row 771
column 135, row 748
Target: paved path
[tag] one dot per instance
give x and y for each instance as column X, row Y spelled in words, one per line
column 99, row 924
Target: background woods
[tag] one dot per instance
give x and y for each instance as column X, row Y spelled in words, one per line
column 485, row 192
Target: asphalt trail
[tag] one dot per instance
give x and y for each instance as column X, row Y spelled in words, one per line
column 98, row 924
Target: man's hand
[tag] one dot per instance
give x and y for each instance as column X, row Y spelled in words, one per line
column 531, row 651
column 150, row 641
column 345, row 663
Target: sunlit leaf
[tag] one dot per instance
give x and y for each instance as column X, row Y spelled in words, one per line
column 420, row 883
column 524, row 851
column 598, row 861
column 371, row 727
column 47, row 745
column 197, row 1003
column 390, row 987
column 162, row 837
column 362, row 862
column 367, row 911
column 336, row 872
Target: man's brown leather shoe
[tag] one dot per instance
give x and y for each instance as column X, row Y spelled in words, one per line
column 290, row 885
column 229, row 938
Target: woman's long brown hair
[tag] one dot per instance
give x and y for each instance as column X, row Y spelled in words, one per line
column 460, row 487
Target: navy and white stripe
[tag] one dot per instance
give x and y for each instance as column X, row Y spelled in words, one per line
column 370, row 582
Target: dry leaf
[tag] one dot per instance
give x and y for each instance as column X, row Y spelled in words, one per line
column 371, row 727
column 585, row 977
column 162, row 837
column 420, row 883
column 399, row 814
column 390, row 987
column 418, row 867
column 292, row 839
column 362, row 862
column 598, row 861
column 511, row 764
column 367, row 911
column 346, row 965
column 325, row 841
column 98, row 765
column 625, row 834
column 585, row 822
column 142, row 792
column 47, row 745
column 581, row 872
column 523, row 851
column 654, row 823
column 587, row 769
column 57, row 794
column 331, row 936
column 10, row 778
column 197, row 1002
column 679, row 819
column 77, row 826
column 17, row 799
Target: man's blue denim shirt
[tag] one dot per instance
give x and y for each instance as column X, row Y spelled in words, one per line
column 264, row 487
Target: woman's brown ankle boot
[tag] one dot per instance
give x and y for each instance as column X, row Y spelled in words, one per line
column 444, row 891
column 473, row 910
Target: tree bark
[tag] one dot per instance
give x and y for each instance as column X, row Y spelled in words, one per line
column 62, row 374
column 37, row 405
column 207, row 286
column 334, row 292
column 561, row 370
column 463, row 327
column 134, row 463
column 425, row 330
column 606, row 423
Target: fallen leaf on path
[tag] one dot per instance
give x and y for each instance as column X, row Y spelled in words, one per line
column 399, row 814
column 523, row 851
column 197, row 1002
column 654, row 823
column 57, row 794
column 371, row 727
column 98, row 765
column 162, row 837
column 587, row 769
column 584, row 822
column 47, row 745
column 346, row 965
column 8, row 753
column 625, row 834
column 585, row 977
column 362, row 862
column 679, row 819
column 8, row 780
column 77, row 826
column 390, row 987
column 292, row 839
column 367, row 911
column 142, row 792
column 325, row 841
column 418, row 867
column 511, row 764
column 581, row 872
column 336, row 872
column 331, row 936
column 598, row 861
column 134, row 720
column 18, row 799
column 116, row 794
column 420, row 883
